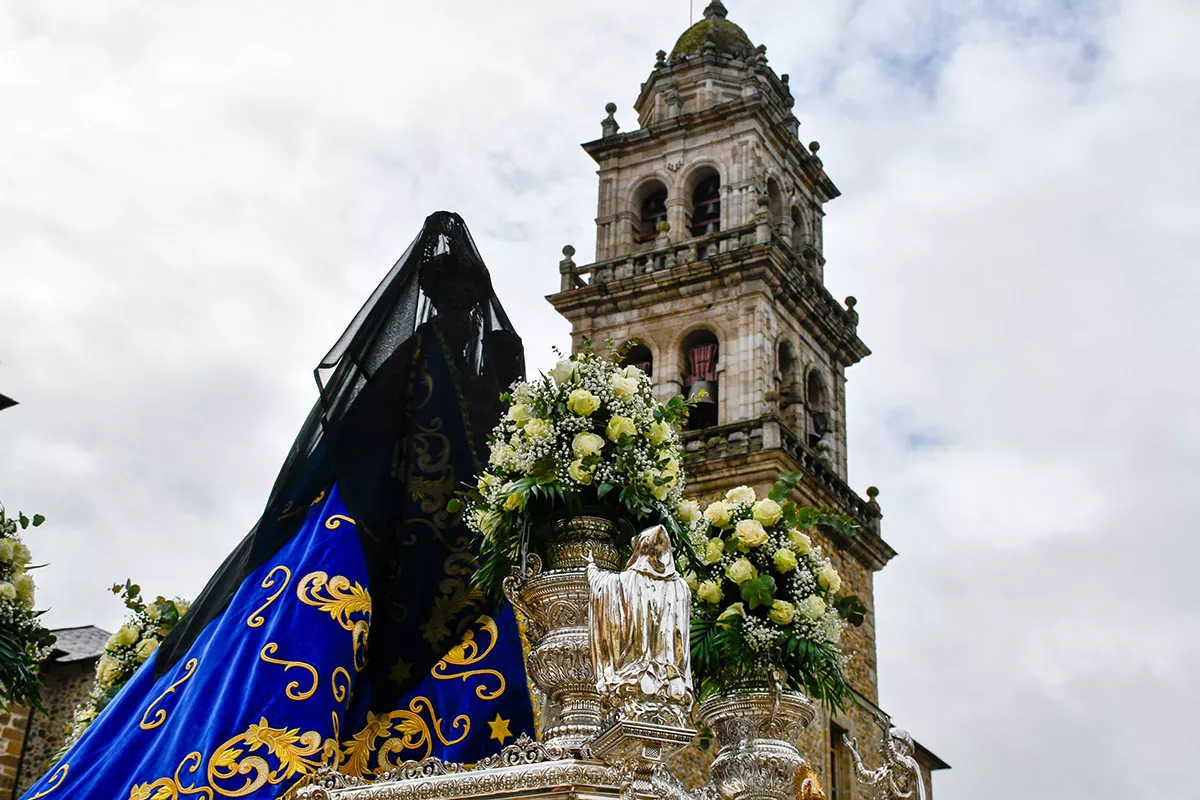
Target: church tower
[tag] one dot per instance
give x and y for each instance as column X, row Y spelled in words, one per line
column 709, row 254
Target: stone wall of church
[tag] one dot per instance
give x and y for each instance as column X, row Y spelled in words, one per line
column 66, row 686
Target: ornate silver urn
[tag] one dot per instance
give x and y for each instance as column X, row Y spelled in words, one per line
column 755, row 730
column 554, row 602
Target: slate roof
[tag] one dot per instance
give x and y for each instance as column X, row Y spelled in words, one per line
column 78, row 644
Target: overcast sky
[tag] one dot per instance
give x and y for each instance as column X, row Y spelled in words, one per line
column 195, row 198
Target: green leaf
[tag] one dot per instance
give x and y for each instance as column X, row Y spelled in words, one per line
column 454, row 505
column 851, row 609
column 24, row 520
column 38, row 519
column 759, row 592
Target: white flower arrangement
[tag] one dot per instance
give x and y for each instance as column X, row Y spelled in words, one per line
column 588, row 434
column 126, row 650
column 765, row 596
column 24, row 642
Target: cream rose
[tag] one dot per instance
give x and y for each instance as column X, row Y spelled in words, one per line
column 23, row 582
column 829, row 579
column 564, row 371
column 520, row 414
column 710, row 592
column 813, row 607
column 800, row 542
column 785, row 560
column 620, row 426
column 8, row 548
column 583, row 402
column 712, row 552
column 586, row 444
column 717, row 513
column 577, row 472
column 781, row 612
column 733, row 610
column 623, row 388
column 523, row 393
column 7, row 590
column 538, row 428
column 21, row 556
column 146, row 648
column 125, row 636
column 107, row 670
column 514, row 502
column 658, row 433
column 767, row 511
column 741, row 494
column 692, row 579
column 688, row 511
column 632, row 372
column 750, row 533
column 741, row 571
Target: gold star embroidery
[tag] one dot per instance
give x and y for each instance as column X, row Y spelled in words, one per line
column 500, row 730
column 401, row 671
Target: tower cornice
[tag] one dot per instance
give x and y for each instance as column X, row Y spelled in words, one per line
column 659, row 276
column 695, row 124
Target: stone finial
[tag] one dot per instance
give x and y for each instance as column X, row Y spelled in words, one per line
column 566, row 270
column 813, row 147
column 872, row 493
column 609, row 125
column 716, row 9
column 660, row 59
column 784, row 78
column 663, row 226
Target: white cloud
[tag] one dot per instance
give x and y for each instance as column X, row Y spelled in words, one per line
column 194, row 199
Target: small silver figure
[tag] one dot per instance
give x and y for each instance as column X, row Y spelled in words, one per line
column 640, row 624
column 900, row 777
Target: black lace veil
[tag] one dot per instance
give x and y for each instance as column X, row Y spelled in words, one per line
column 357, row 428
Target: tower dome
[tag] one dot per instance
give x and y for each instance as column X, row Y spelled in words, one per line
column 727, row 38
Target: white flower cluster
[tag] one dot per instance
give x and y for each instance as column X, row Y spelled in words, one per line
column 126, row 650
column 589, row 426
column 17, row 589
column 741, row 539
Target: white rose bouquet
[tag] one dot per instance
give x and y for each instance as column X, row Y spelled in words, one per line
column 127, row 649
column 588, row 434
column 24, row 642
column 765, row 595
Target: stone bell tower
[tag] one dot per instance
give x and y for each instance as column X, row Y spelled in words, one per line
column 709, row 254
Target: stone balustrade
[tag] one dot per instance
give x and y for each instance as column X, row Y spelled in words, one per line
column 742, row 438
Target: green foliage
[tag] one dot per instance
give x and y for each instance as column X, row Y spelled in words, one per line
column 24, row 641
column 851, row 609
column 759, row 592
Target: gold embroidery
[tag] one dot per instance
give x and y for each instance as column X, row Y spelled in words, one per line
column 56, row 781
column 317, row 499
column 160, row 716
column 467, row 653
column 172, row 788
column 340, row 600
column 256, row 619
column 340, row 693
column 291, row 690
column 411, row 731
column 499, row 727
column 292, row 749
column 335, row 521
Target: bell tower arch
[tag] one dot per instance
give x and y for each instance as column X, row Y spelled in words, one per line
column 709, row 252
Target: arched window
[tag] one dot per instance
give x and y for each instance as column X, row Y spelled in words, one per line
column 700, row 354
column 651, row 204
column 706, row 205
column 799, row 229
column 789, row 389
column 774, row 201
column 639, row 356
column 820, row 423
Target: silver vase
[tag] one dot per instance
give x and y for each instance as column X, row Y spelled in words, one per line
column 554, row 602
column 755, row 730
